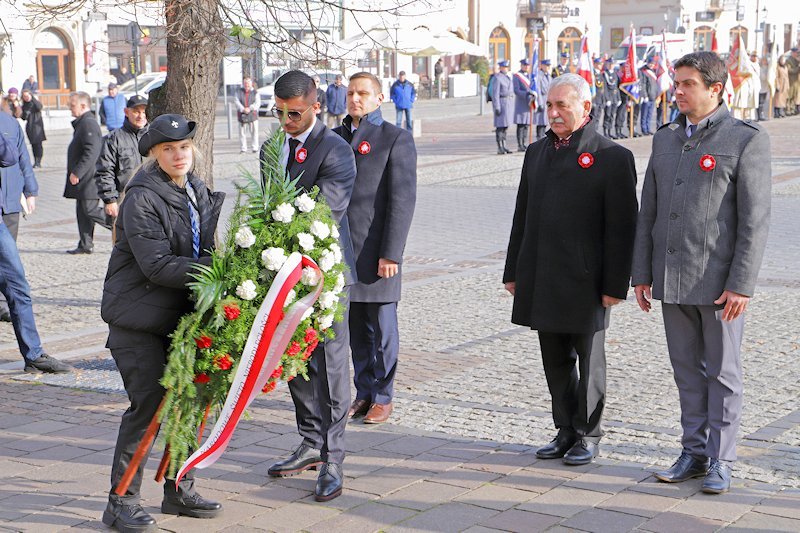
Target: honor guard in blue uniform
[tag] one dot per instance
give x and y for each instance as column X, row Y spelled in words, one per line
column 524, row 96
column 543, row 80
column 503, row 105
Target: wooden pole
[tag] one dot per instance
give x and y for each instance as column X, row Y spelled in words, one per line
column 530, row 123
column 141, row 451
column 630, row 114
column 664, row 105
column 162, row 466
column 771, row 110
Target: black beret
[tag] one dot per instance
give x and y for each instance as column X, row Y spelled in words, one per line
column 166, row 128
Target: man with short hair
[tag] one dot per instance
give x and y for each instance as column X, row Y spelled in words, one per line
column 599, row 101
column 563, row 66
column 13, row 285
column 247, row 101
column 82, row 154
column 700, row 238
column 119, row 157
column 568, row 260
column 31, row 84
column 612, row 98
column 123, row 75
column 336, row 100
column 380, row 214
column 649, row 91
column 112, row 108
column 316, row 156
column 403, row 94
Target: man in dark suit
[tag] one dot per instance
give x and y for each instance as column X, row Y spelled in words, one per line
column 569, row 260
column 82, row 155
column 380, row 216
column 321, row 403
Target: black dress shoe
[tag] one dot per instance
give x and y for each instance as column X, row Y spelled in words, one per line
column 582, row 453
column 79, row 251
column 179, row 503
column 686, row 467
column 303, row 458
column 718, row 478
column 557, row 447
column 5, row 315
column 128, row 518
column 329, row 482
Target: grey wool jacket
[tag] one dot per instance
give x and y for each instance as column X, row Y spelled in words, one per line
column 704, row 217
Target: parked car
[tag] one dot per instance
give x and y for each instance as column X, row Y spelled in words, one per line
column 141, row 85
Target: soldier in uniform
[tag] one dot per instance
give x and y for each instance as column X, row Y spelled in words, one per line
column 543, row 80
column 612, row 100
column 599, row 100
column 503, row 105
column 522, row 103
column 793, row 64
column 563, row 65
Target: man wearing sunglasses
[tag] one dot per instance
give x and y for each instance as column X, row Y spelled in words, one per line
column 319, row 157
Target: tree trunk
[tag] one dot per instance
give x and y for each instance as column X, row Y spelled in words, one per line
column 195, row 45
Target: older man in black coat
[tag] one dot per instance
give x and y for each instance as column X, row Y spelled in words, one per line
column 380, row 215
column 317, row 156
column 569, row 260
column 82, row 154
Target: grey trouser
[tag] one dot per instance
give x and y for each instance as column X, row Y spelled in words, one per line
column 705, row 356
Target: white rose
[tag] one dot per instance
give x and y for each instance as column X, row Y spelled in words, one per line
column 320, row 230
column 327, row 300
column 304, row 203
column 290, row 298
column 307, row 313
column 339, row 287
column 310, row 276
column 326, row 261
column 283, row 213
column 246, row 290
column 244, row 237
column 326, row 321
column 306, row 241
column 273, row 258
column 334, row 231
column 337, row 252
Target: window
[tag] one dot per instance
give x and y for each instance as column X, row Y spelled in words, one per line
column 529, row 40
column 54, row 62
column 499, row 45
column 702, row 38
column 617, row 36
column 569, row 41
column 735, row 32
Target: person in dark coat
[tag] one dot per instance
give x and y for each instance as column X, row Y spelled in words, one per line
column 82, row 154
column 403, row 95
column 543, row 80
column 599, row 101
column 612, row 98
column 34, row 125
column 380, row 214
column 569, row 259
column 119, row 157
column 322, row 99
column 165, row 228
column 112, row 108
column 649, row 92
column 315, row 155
column 336, row 102
column 31, row 84
column 524, row 96
column 503, row 105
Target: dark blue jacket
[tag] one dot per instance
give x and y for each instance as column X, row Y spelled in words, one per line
column 17, row 177
column 382, row 204
column 403, row 94
column 336, row 99
column 112, row 112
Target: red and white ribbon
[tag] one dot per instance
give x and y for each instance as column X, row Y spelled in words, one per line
column 268, row 339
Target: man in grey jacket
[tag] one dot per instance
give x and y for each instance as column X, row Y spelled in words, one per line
column 700, row 237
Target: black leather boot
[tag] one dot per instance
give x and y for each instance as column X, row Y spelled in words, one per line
column 128, row 518
column 503, row 139
column 498, row 137
column 187, row 503
column 303, row 458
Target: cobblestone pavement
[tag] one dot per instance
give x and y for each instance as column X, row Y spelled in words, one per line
column 471, row 404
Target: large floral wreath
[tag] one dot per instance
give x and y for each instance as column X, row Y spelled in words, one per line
column 271, row 220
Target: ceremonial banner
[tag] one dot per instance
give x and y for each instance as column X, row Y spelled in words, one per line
column 663, row 72
column 585, row 69
column 629, row 79
column 738, row 63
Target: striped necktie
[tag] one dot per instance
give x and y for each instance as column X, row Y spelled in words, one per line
column 194, row 218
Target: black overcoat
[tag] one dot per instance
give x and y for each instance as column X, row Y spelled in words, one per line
column 34, row 125
column 145, row 286
column 572, row 235
column 330, row 165
column 382, row 204
column 82, row 154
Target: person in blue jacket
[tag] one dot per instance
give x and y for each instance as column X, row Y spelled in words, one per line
column 403, row 95
column 336, row 102
column 112, row 108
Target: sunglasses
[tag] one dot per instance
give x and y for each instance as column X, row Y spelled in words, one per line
column 294, row 116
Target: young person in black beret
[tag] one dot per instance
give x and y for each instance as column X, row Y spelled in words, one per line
column 165, row 227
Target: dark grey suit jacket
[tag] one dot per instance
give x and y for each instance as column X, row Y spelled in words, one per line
column 329, row 165
column 383, row 202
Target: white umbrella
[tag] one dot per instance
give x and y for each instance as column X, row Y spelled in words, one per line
column 449, row 44
column 402, row 40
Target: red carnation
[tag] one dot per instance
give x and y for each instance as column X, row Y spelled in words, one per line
column 223, row 362
column 202, row 378
column 311, row 335
column 231, row 311
column 277, row 372
column 310, row 349
column 269, row 387
column 203, row 342
column 294, row 349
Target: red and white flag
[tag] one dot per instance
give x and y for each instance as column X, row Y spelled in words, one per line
column 585, row 69
column 664, row 72
column 738, row 63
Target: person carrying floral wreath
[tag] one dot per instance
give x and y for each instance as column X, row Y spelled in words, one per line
column 165, row 228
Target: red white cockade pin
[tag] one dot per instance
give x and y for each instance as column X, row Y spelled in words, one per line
column 586, row 160
column 364, row 148
column 301, row 155
column 707, row 162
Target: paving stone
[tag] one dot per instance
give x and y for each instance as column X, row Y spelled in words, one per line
column 410, row 445
column 495, row 497
column 349, row 499
column 780, row 506
column 430, row 463
column 522, row 521
column 367, row 461
column 501, row 462
column 448, row 517
column 670, row 522
column 364, row 518
column 726, row 507
column 234, row 513
column 424, row 495
column 272, row 495
column 602, row 521
column 754, row 521
column 564, row 501
column 387, row 480
column 289, row 518
column 465, row 477
column 46, row 521
column 530, row 480
column 639, row 503
column 652, row 485
column 610, row 479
